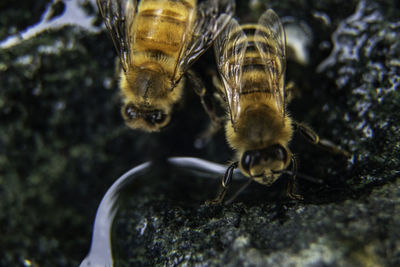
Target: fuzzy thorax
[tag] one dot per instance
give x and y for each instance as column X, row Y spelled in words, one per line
column 258, row 126
column 148, row 88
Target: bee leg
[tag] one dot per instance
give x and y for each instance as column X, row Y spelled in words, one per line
column 220, row 94
column 291, row 91
column 291, row 189
column 219, row 198
column 313, row 138
column 331, row 147
column 209, row 107
column 217, row 83
column 226, row 180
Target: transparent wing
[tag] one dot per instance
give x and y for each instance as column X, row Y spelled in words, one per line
column 230, row 47
column 211, row 18
column 118, row 16
column 271, row 43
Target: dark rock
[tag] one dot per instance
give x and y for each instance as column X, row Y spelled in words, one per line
column 159, row 228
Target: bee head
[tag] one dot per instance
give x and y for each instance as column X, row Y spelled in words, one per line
column 264, row 164
column 150, row 120
column 148, row 100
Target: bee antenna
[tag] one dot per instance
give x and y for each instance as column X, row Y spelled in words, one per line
column 229, row 201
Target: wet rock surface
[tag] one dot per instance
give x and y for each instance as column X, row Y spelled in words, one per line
column 63, row 142
column 159, row 228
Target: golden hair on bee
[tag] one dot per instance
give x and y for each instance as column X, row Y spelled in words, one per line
column 157, row 42
column 251, row 61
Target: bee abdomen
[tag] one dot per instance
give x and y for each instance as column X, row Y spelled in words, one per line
column 160, row 25
column 259, row 60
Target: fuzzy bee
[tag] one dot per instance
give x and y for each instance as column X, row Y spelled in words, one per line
column 157, row 41
column 251, row 61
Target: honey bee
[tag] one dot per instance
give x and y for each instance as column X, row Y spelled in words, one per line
column 157, row 41
column 251, row 61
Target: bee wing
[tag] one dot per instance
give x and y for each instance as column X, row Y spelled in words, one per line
column 229, row 48
column 270, row 40
column 118, row 16
column 211, row 18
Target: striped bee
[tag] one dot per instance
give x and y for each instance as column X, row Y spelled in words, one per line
column 251, row 61
column 157, row 41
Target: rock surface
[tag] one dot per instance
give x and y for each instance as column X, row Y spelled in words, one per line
column 157, row 228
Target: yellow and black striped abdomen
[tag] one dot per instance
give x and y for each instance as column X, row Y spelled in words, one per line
column 260, row 60
column 161, row 24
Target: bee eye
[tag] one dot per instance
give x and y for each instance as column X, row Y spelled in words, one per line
column 249, row 159
column 246, row 161
column 279, row 153
column 130, row 112
column 156, row 117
